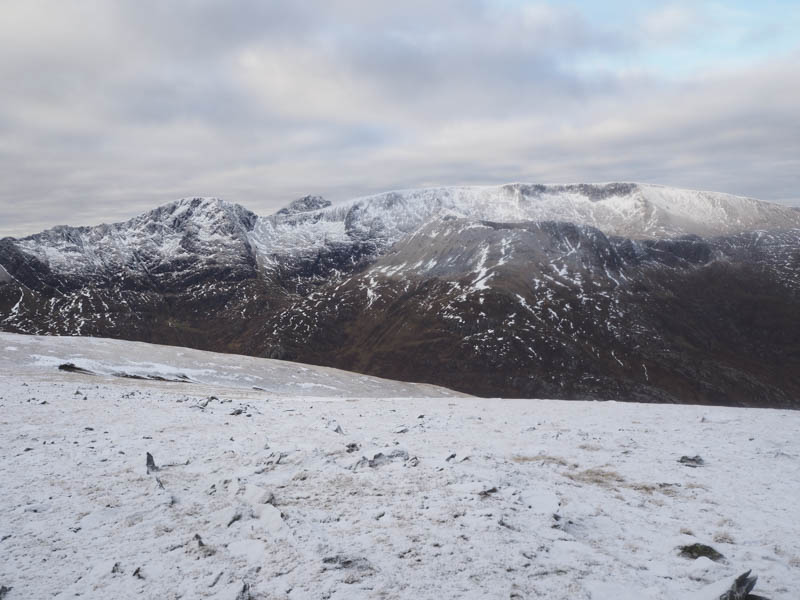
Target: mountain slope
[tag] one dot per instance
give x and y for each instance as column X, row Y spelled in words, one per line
column 323, row 485
column 116, row 361
column 572, row 291
column 557, row 310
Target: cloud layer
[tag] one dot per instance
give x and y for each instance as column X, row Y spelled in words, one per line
column 111, row 107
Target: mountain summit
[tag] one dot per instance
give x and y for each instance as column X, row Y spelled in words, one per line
column 616, row 290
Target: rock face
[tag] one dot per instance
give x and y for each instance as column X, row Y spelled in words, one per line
column 614, row 291
column 305, row 204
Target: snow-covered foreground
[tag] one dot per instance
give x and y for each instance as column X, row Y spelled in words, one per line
column 260, row 494
column 29, row 355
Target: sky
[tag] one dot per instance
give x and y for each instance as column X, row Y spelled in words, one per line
column 112, row 107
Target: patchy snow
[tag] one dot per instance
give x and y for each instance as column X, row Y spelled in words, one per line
column 482, row 274
column 268, row 494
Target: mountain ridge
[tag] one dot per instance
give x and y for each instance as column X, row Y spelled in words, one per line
column 311, row 203
column 627, row 209
column 472, row 288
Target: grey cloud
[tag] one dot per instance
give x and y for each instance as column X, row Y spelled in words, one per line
column 114, row 107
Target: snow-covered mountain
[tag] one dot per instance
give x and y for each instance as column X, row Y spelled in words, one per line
column 192, row 233
column 623, row 209
column 201, row 228
column 269, row 479
column 574, row 291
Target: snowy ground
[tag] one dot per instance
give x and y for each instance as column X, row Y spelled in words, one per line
column 268, row 494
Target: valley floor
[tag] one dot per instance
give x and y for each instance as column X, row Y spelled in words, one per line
column 259, row 495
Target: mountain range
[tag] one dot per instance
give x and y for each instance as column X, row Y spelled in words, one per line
column 588, row 291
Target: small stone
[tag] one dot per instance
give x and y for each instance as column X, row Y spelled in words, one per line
column 694, row 551
column 216, row 579
column 341, row 561
column 362, row 462
column 244, row 593
column 380, row 459
column 150, row 463
column 692, row 461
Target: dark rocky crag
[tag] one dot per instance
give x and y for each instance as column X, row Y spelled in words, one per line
column 418, row 291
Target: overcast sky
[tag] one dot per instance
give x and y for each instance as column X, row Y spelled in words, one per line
column 112, row 107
